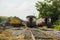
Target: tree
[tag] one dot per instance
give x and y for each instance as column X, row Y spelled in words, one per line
column 49, row 8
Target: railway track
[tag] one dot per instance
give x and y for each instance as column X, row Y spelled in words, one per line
column 54, row 33
column 33, row 34
column 39, row 35
column 17, row 31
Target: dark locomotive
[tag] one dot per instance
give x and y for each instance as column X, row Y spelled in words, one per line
column 43, row 21
column 31, row 22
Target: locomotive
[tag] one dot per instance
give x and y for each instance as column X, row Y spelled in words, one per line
column 40, row 22
column 16, row 22
column 31, row 22
column 43, row 21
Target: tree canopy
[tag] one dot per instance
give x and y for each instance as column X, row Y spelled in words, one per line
column 49, row 8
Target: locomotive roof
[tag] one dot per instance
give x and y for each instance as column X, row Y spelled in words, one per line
column 31, row 16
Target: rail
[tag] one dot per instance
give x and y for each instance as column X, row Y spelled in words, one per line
column 40, row 35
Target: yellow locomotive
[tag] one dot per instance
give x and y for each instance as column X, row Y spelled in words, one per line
column 16, row 22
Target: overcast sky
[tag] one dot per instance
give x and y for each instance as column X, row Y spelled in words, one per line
column 19, row 8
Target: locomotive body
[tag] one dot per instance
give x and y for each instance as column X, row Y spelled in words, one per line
column 43, row 21
column 30, row 22
column 40, row 22
column 16, row 22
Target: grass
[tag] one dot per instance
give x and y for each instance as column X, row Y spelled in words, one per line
column 43, row 28
column 6, row 35
column 57, row 27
